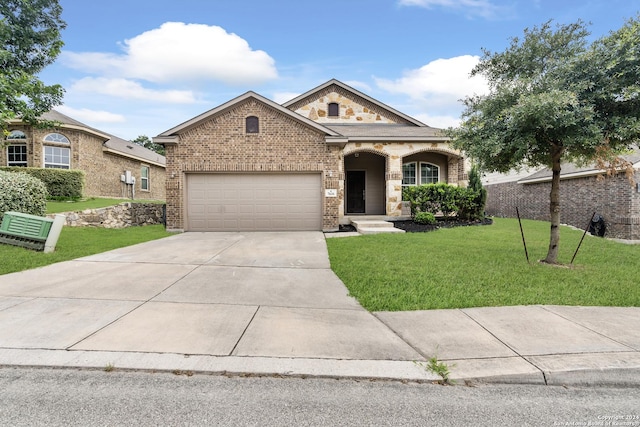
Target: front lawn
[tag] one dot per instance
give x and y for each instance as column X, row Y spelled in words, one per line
column 482, row 266
column 76, row 242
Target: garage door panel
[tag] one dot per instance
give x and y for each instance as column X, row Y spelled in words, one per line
column 253, row 202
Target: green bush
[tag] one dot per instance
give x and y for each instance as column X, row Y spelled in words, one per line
column 61, row 184
column 21, row 192
column 444, row 199
column 425, row 218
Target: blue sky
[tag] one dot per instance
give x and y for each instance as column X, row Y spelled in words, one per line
column 140, row 67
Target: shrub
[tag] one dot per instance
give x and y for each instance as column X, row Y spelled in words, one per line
column 425, row 218
column 61, row 184
column 21, row 192
column 447, row 200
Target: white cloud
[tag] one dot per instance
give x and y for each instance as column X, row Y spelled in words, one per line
column 128, row 89
column 483, row 8
column 91, row 116
column 181, row 52
column 441, row 83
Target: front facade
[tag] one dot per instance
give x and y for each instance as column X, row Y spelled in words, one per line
column 309, row 164
column 104, row 158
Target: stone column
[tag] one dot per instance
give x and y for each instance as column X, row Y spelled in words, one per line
column 393, row 179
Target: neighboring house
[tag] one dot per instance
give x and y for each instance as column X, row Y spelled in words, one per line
column 583, row 191
column 311, row 163
column 104, row 158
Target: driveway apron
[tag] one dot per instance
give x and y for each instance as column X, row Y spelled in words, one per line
column 269, row 294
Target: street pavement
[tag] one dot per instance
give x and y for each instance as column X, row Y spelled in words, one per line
column 268, row 304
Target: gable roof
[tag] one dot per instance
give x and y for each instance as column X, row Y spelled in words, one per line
column 110, row 143
column 334, row 82
column 170, row 136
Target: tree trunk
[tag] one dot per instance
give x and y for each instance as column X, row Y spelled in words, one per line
column 554, row 206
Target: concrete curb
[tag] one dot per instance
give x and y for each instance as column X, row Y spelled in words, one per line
column 513, row 370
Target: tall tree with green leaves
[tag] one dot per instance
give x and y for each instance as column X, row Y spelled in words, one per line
column 554, row 97
column 145, row 141
column 30, row 40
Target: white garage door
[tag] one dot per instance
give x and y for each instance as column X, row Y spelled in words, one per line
column 253, row 202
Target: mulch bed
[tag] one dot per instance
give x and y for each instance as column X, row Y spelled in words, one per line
column 413, row 227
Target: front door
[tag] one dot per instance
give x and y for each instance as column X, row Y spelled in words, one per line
column 355, row 192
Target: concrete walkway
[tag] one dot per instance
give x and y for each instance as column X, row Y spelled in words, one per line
column 269, row 304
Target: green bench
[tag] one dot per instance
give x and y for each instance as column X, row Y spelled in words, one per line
column 29, row 231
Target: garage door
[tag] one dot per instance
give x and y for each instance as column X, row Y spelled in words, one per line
column 253, row 202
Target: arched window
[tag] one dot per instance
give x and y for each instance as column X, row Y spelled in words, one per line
column 57, row 137
column 16, row 135
column 16, row 148
column 334, row 109
column 252, row 124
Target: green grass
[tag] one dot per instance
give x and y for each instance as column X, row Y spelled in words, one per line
column 92, row 203
column 484, row 266
column 77, row 242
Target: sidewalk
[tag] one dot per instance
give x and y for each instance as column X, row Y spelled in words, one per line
column 268, row 304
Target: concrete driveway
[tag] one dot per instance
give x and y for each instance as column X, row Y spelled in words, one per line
column 219, row 294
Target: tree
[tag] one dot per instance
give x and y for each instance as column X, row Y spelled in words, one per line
column 553, row 97
column 30, row 40
column 144, row 141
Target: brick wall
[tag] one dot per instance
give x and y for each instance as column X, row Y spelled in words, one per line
column 220, row 144
column 102, row 169
column 613, row 198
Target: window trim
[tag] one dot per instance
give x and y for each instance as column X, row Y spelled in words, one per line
column 145, row 179
column 249, row 123
column 54, row 165
column 26, row 155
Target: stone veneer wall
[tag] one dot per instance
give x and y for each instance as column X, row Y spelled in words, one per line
column 614, row 198
column 120, row 216
column 357, row 110
column 221, row 145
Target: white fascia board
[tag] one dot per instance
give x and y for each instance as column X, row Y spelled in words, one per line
column 165, row 140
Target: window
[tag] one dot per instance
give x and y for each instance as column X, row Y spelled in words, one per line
column 429, row 174
column 144, row 178
column 56, row 137
column 17, row 155
column 56, row 157
column 409, row 174
column 334, row 109
column 16, row 135
column 253, row 124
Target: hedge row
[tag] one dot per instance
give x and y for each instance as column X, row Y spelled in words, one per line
column 444, row 199
column 61, row 184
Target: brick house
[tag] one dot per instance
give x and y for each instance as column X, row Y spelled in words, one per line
column 583, row 191
column 104, row 158
column 311, row 163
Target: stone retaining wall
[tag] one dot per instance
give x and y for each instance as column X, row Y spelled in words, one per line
column 119, row 216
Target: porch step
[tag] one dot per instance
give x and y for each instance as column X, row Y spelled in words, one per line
column 374, row 227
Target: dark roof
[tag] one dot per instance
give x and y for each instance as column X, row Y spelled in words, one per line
column 384, row 130
column 126, row 148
